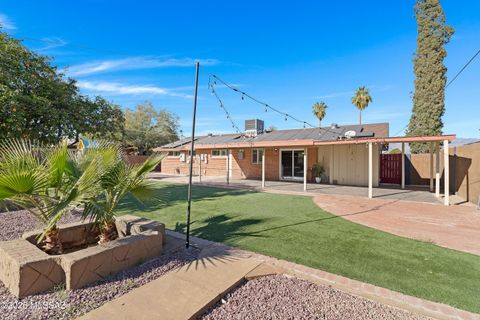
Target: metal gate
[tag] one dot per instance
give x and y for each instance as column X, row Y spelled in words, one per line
column 391, row 168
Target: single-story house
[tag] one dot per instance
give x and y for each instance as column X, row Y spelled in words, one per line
column 350, row 154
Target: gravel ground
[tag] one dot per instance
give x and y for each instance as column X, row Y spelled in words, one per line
column 14, row 223
column 62, row 304
column 282, row 297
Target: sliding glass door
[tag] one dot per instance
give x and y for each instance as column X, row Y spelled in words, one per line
column 292, row 164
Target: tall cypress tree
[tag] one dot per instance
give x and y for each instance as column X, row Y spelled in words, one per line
column 430, row 72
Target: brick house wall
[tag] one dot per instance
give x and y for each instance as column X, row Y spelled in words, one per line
column 241, row 168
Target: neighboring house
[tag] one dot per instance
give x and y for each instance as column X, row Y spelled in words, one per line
column 349, row 154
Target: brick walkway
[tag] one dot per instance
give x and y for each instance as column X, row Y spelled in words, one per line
column 454, row 227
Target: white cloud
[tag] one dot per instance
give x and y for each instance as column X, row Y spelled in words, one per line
column 124, row 89
column 133, row 63
column 6, row 23
column 52, row 43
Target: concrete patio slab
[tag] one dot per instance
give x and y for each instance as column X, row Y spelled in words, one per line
column 415, row 194
column 454, row 227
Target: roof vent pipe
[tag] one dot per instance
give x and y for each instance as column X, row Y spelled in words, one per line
column 334, row 126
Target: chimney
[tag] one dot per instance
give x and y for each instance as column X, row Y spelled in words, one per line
column 254, row 127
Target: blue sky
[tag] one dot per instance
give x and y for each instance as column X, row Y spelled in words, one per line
column 289, row 54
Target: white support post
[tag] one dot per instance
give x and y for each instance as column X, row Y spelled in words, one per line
column 370, row 170
column 403, row 165
column 305, row 169
column 437, row 171
column 431, row 166
column 446, row 178
column 228, row 166
column 200, row 168
column 263, row 169
column 332, row 159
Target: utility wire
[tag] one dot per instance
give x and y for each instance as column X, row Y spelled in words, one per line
column 464, row 67
column 453, row 79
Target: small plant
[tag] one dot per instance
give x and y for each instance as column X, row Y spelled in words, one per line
column 60, row 291
column 318, row 170
column 47, row 181
column 118, row 180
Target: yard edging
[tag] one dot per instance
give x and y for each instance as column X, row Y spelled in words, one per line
column 382, row 295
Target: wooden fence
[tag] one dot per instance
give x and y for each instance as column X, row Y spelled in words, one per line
column 136, row 159
column 464, row 169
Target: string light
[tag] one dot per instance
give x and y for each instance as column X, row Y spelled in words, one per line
column 266, row 106
column 222, row 106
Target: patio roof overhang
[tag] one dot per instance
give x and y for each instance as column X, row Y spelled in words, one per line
column 310, row 142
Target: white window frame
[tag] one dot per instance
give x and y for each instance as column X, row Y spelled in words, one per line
column 176, row 154
column 258, row 159
column 221, row 154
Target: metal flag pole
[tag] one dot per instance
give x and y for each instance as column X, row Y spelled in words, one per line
column 197, row 67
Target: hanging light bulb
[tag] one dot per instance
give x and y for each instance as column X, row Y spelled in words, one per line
column 266, row 107
column 304, row 125
column 243, row 97
column 286, row 115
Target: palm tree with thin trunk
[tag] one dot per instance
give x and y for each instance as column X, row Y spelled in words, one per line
column 319, row 110
column 361, row 100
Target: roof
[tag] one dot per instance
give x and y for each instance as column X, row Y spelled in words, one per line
column 375, row 132
column 291, row 135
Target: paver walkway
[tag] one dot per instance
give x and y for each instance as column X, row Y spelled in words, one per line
column 454, row 227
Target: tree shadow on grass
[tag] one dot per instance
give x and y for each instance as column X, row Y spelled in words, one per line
column 166, row 195
column 219, row 228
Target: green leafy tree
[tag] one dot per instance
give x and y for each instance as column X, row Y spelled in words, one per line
column 319, row 110
column 38, row 103
column 430, row 72
column 361, row 100
column 146, row 128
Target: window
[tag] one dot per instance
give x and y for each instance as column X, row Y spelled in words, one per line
column 257, row 156
column 219, row 152
column 174, row 153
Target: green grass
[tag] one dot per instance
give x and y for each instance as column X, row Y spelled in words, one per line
column 295, row 229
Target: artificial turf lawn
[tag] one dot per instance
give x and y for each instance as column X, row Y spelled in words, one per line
column 294, row 228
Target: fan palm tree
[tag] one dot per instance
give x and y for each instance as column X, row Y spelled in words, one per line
column 47, row 182
column 361, row 99
column 319, row 110
column 118, row 181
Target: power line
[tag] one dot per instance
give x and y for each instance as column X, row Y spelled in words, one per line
column 264, row 104
column 451, row 81
column 464, row 67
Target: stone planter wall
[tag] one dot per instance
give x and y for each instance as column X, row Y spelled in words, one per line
column 25, row 269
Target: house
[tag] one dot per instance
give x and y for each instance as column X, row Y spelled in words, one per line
column 350, row 155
